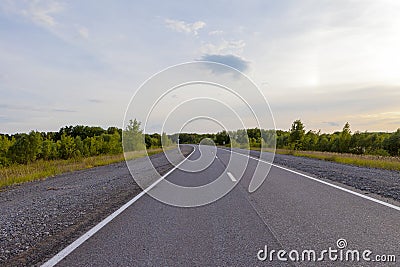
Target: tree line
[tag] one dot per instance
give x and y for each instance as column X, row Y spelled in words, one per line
column 297, row 138
column 344, row 141
column 75, row 142
column 85, row 141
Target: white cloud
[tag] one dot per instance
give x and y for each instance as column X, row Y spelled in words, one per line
column 48, row 14
column 42, row 12
column 224, row 47
column 181, row 26
column 217, row 32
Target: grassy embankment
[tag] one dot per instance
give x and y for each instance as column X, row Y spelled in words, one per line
column 41, row 169
column 380, row 162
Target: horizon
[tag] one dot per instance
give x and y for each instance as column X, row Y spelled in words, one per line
column 213, row 132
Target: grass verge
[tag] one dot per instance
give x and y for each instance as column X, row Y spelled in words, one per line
column 41, row 169
column 380, row 162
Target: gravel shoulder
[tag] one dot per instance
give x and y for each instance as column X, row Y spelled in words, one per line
column 40, row 218
column 384, row 184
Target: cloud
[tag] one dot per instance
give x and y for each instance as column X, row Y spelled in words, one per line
column 217, row 32
column 224, row 47
column 93, row 100
column 331, row 123
column 52, row 15
column 21, row 107
column 181, row 26
column 4, row 119
column 63, row 110
column 230, row 60
column 42, row 12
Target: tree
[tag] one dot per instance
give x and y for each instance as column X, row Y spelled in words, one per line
column 155, row 140
column 114, row 143
column 345, row 139
column 310, row 141
column 96, row 145
column 323, row 143
column 296, row 137
column 147, row 140
column 26, row 148
column 133, row 137
column 254, row 133
column 334, row 142
column 49, row 150
column 165, row 141
column 80, row 149
column 254, row 136
column 269, row 137
column 66, row 147
column 5, row 144
column 392, row 144
column 241, row 137
column 222, row 138
column 282, row 139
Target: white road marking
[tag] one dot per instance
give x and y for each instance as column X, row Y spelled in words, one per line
column 66, row 251
column 323, row 182
column 231, row 176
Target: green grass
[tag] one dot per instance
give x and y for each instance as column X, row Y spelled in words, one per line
column 41, row 169
column 380, row 162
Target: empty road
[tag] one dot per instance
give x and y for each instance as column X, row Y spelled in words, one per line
column 289, row 212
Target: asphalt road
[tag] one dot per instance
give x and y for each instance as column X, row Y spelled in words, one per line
column 288, row 212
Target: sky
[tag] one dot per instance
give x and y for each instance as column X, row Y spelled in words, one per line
column 80, row 62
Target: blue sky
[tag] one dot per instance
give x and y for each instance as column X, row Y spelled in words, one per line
column 79, row 62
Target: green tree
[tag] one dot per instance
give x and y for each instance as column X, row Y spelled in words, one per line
column 66, row 147
column 310, row 140
column 26, row 148
column 297, row 132
column 222, row 138
column 5, row 144
column 80, row 149
column 282, row 139
column 241, row 137
column 392, row 144
column 165, row 141
column 95, row 145
column 147, row 140
column 345, row 139
column 133, row 137
column 49, row 149
column 269, row 137
column 155, row 140
column 114, row 143
column 323, row 143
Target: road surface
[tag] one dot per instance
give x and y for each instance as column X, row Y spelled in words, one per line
column 289, row 212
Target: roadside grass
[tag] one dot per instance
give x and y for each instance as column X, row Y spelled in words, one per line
column 380, row 162
column 41, row 169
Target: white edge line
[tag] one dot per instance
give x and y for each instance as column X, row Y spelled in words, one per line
column 231, row 176
column 322, row 182
column 74, row 245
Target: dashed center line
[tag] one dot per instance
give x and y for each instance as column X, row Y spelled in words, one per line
column 232, row 177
